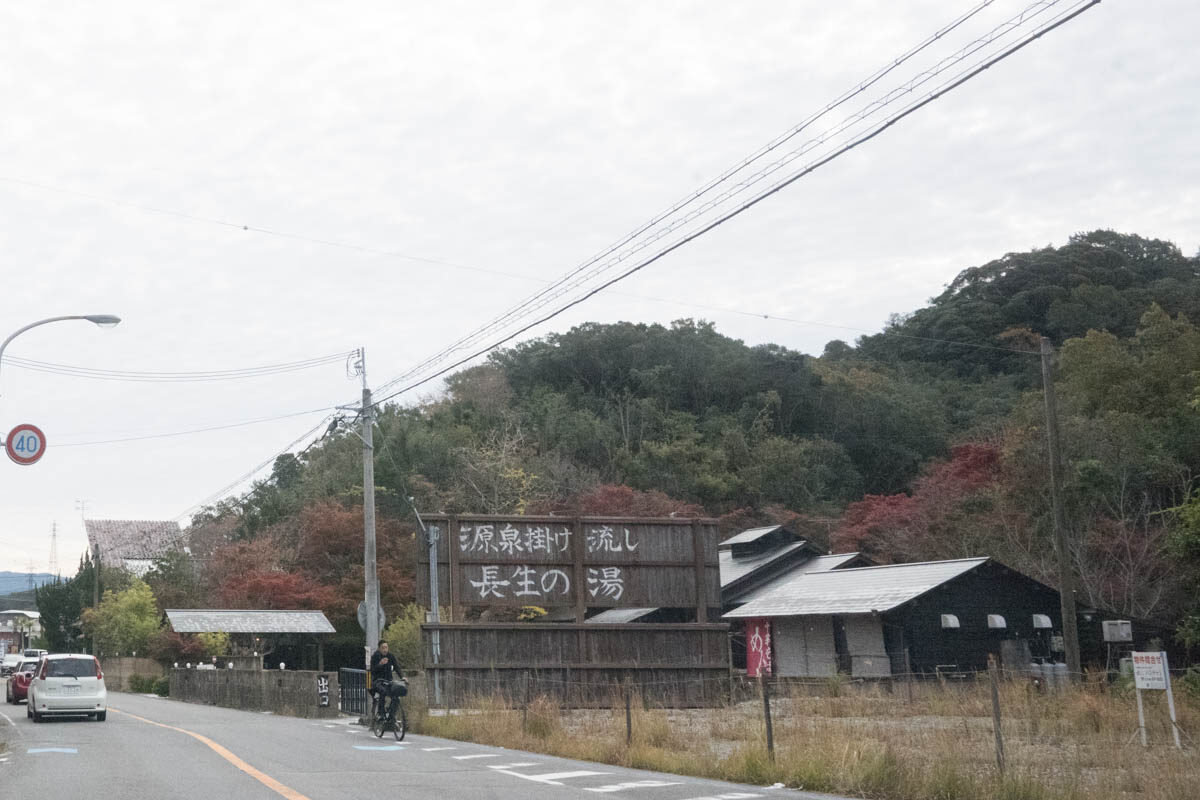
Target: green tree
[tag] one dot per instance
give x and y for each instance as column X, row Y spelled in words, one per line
column 125, row 621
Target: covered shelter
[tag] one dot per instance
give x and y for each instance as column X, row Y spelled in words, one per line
column 297, row 634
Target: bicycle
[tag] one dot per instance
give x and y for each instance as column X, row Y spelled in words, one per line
column 393, row 717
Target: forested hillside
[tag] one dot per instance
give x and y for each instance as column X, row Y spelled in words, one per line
column 924, row 441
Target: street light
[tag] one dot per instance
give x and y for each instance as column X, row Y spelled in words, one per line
column 102, row 320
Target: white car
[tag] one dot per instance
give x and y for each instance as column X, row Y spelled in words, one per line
column 68, row 684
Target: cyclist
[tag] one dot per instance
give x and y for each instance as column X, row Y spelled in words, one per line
column 383, row 666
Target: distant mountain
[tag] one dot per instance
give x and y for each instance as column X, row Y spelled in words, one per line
column 11, row 582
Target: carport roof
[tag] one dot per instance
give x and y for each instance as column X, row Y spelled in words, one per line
column 207, row 620
column 860, row 590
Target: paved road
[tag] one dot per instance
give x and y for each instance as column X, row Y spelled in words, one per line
column 157, row 748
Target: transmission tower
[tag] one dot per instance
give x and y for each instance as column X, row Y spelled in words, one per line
column 54, row 549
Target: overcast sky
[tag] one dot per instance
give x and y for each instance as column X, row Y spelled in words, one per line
column 515, row 138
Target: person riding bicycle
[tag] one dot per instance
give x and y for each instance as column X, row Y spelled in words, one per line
column 383, row 666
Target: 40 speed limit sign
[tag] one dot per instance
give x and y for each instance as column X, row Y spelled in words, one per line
column 25, row 444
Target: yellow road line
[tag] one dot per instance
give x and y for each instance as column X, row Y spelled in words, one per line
column 258, row 775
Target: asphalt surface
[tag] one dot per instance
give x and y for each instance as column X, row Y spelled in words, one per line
column 205, row 752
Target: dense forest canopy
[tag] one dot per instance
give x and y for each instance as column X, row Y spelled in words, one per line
column 924, row 441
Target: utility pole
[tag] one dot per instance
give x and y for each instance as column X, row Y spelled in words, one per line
column 1066, row 584
column 370, row 576
column 54, row 549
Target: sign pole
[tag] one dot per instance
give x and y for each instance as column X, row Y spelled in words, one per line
column 1141, row 717
column 1171, row 703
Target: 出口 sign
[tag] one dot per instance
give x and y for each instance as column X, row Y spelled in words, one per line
column 586, row 562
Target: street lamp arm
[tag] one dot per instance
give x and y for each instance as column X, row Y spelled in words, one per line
column 104, row 320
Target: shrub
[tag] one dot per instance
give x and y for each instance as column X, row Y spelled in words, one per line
column 161, row 686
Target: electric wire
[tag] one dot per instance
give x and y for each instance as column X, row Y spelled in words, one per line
column 217, row 495
column 575, row 279
column 173, row 434
column 173, row 377
column 916, row 105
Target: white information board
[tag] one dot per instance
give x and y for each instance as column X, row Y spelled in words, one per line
column 1150, row 670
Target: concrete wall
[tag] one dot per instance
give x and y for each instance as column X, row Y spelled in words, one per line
column 292, row 693
column 804, row 647
column 864, row 640
column 117, row 671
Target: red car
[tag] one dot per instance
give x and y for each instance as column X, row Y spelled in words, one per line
column 18, row 684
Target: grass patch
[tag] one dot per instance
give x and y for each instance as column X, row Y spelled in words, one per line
column 868, row 743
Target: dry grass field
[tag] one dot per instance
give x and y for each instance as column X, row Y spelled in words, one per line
column 871, row 742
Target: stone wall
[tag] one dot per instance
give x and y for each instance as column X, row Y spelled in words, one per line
column 293, row 693
column 117, row 671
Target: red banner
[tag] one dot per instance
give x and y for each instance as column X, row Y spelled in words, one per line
column 758, row 646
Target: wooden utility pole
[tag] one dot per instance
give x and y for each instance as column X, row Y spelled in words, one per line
column 1066, row 584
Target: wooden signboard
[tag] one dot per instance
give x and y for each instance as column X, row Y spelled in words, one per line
column 585, row 562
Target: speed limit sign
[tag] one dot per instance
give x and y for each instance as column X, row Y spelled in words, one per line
column 25, row 444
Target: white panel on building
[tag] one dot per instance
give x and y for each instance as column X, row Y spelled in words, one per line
column 996, row 621
column 864, row 639
column 949, row 621
column 1042, row 621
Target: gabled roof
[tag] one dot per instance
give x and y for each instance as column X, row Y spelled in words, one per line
column 207, row 620
column 734, row 569
column 859, row 590
column 119, row 539
column 752, row 535
column 23, row 612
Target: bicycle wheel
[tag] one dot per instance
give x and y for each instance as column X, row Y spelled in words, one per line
column 378, row 726
column 400, row 725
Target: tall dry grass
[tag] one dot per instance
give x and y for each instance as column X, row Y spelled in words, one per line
column 1073, row 744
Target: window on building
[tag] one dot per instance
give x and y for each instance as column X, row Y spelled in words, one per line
column 949, row 621
column 996, row 621
column 1041, row 621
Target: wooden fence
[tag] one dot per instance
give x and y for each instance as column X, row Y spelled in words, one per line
column 579, row 665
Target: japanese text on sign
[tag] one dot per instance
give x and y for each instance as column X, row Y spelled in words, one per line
column 504, row 581
column 1150, row 670
column 512, row 540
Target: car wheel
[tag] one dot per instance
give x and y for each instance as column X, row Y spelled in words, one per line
column 102, row 715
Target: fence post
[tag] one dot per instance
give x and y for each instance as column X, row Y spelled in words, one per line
column 994, row 674
column 764, row 687
column 628, row 714
column 525, row 705
column 908, row 676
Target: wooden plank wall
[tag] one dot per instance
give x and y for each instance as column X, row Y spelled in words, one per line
column 581, row 665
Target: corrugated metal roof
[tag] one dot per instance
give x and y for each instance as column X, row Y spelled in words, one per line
column 745, row 537
column 620, row 615
column 119, row 539
column 207, row 620
column 858, row 590
column 734, row 569
column 816, row 564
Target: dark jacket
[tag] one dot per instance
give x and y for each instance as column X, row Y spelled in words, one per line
column 383, row 666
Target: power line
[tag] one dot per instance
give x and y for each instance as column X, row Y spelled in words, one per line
column 209, row 429
column 575, row 279
column 171, row 377
column 954, row 83
column 259, row 468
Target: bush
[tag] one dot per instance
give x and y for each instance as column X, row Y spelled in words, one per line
column 141, row 684
column 161, row 686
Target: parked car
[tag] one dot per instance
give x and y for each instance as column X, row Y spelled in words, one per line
column 68, row 684
column 18, row 684
column 33, row 652
column 10, row 663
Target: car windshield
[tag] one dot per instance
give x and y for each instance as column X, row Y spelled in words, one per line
column 71, row 668
column 27, row 666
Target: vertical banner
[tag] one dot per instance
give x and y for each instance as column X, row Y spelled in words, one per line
column 758, row 647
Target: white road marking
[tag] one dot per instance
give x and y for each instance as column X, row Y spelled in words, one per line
column 554, row 778
column 620, row 787
column 477, row 755
column 727, row 796
column 7, row 717
column 511, row 766
column 436, row 749
column 52, row 750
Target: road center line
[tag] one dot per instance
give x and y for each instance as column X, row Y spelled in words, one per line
column 258, row 775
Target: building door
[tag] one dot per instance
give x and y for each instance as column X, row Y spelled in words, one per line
column 845, row 664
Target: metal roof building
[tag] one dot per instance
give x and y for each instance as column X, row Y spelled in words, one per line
column 855, row 590
column 207, row 620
